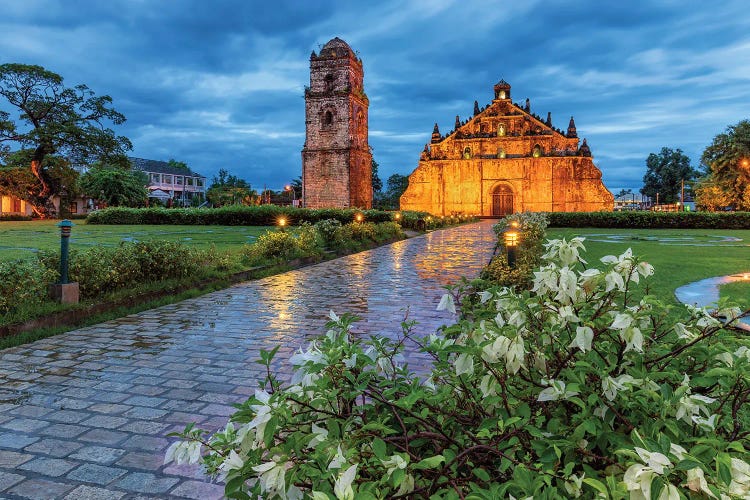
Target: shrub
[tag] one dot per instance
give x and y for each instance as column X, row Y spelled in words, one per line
column 327, row 228
column 101, row 270
column 15, row 217
column 652, row 220
column 22, row 282
column 569, row 389
column 531, row 227
column 275, row 246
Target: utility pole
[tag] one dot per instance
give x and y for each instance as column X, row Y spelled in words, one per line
column 682, row 193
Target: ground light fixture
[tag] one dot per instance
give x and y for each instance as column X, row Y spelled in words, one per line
column 359, row 217
column 397, row 216
column 511, row 238
column 281, row 222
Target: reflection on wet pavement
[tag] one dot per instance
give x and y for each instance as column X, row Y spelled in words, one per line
column 85, row 414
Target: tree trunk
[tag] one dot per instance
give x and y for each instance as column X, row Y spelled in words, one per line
column 41, row 203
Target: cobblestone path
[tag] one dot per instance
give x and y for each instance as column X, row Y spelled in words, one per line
column 84, row 415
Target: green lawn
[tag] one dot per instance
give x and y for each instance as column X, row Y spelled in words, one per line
column 21, row 240
column 678, row 256
column 739, row 292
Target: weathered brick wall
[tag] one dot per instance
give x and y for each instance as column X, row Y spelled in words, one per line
column 336, row 159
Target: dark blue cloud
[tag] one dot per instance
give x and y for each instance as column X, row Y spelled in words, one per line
column 219, row 84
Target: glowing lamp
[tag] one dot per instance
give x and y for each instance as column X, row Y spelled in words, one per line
column 511, row 238
column 397, row 216
column 359, row 217
column 282, row 222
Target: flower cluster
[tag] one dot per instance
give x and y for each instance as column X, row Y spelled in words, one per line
column 580, row 386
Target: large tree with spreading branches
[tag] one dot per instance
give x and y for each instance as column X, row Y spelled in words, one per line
column 68, row 123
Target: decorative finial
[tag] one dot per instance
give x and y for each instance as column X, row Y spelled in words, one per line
column 476, row 108
column 527, row 108
column 436, row 137
column 549, row 119
column 584, row 150
column 572, row 134
column 458, row 122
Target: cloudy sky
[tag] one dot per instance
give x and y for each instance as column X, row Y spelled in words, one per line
column 219, row 84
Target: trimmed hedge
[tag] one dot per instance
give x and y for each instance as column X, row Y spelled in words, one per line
column 14, row 217
column 261, row 215
column 652, row 220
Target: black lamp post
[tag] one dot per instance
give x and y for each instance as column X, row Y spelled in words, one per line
column 511, row 237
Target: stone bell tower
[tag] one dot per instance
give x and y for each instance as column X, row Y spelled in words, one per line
column 336, row 158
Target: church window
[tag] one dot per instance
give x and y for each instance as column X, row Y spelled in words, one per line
column 467, row 153
column 500, row 153
column 537, row 151
column 501, row 130
column 329, row 82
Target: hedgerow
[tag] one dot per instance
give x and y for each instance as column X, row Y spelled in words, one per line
column 571, row 388
column 262, row 215
column 22, row 282
column 652, row 220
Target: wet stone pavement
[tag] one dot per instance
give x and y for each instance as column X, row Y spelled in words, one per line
column 84, row 415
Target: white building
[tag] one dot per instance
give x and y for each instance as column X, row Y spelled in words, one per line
column 181, row 185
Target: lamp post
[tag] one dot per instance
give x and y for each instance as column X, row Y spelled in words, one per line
column 64, row 291
column 511, row 237
column 294, row 195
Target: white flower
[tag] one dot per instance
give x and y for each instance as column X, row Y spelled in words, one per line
column 638, row 481
column 567, row 314
column 343, row 486
column 621, row 321
column 514, row 357
column 654, row 460
column 669, row 492
column 611, row 386
column 645, row 269
column 488, row 385
column 319, row 495
column 678, row 451
column 333, row 316
column 464, row 364
column 230, row 463
column 614, row 280
column 183, row 452
column 320, row 434
column 271, row 476
column 555, row 391
column 447, row 304
column 567, row 287
column 707, row 424
column 338, row 460
column 492, row 353
column 683, row 332
column 584, row 337
column 484, row 296
column 696, row 481
column 394, row 463
column 633, row 339
column 573, row 487
column 740, row 484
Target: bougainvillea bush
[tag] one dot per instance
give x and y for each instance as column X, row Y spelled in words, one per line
column 568, row 389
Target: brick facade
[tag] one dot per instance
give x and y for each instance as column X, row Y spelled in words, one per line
column 505, row 159
column 336, row 158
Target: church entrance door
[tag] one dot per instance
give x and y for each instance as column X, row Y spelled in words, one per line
column 502, row 201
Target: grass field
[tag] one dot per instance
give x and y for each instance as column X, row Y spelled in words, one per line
column 21, row 240
column 678, row 256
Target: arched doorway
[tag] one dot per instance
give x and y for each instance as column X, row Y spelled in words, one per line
column 502, row 200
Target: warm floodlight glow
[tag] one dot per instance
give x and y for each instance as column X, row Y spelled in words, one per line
column 359, row 217
column 514, row 223
column 511, row 238
column 282, row 222
column 397, row 216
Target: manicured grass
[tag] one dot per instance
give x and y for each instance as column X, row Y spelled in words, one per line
column 678, row 256
column 22, row 239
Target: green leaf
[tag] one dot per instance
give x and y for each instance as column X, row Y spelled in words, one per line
column 430, row 463
column 481, row 474
column 596, row 484
column 379, row 448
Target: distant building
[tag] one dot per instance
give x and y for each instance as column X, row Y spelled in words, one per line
column 336, row 158
column 178, row 184
column 631, row 201
column 13, row 206
column 506, row 159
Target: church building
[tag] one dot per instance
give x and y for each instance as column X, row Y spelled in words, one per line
column 506, row 159
column 336, row 157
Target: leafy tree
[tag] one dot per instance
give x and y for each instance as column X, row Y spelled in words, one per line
column 115, row 186
column 56, row 120
column 297, row 186
column 180, row 165
column 395, row 187
column 624, row 192
column 665, row 172
column 227, row 189
column 727, row 164
column 377, row 183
